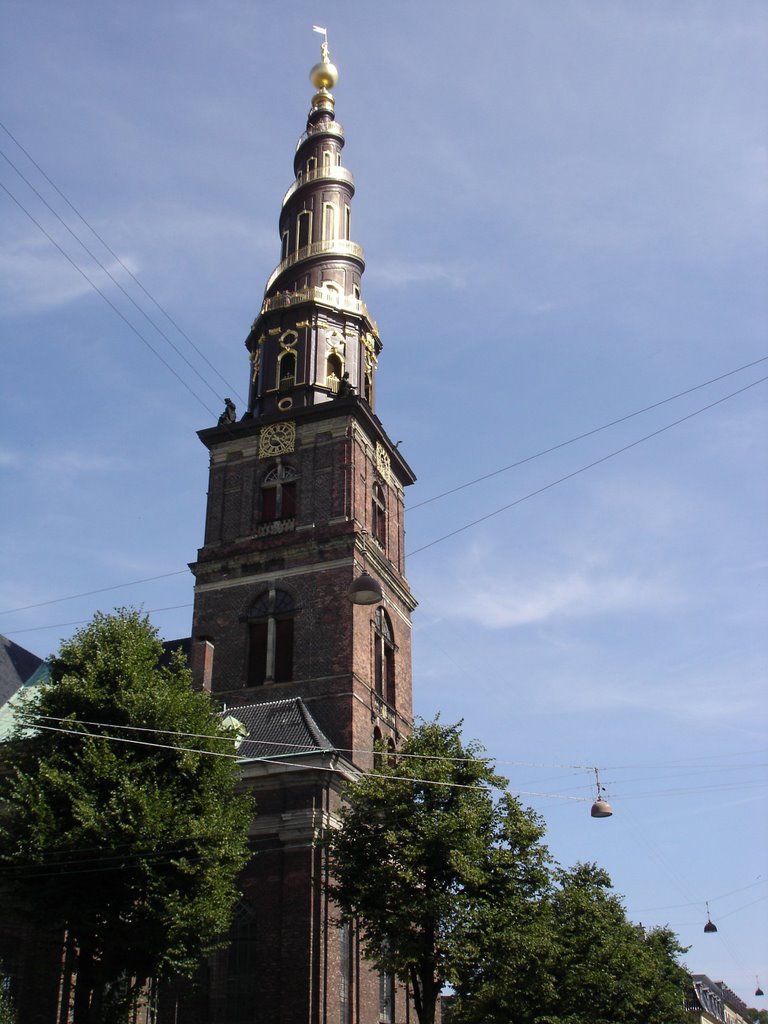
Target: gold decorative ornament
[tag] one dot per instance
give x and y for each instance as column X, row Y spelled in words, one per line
column 255, row 358
column 382, row 462
column 323, row 75
column 277, row 439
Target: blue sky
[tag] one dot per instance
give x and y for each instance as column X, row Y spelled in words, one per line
column 563, row 207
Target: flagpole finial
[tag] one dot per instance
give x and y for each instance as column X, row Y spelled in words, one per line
column 325, row 74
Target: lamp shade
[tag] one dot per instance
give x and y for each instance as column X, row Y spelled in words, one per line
column 365, row 590
column 601, row 809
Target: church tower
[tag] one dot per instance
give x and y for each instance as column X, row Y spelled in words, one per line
column 302, row 609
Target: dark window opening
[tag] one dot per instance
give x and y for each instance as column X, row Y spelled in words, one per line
column 242, row 982
column 379, row 516
column 270, row 638
column 333, row 372
column 345, row 973
column 303, row 226
column 384, row 657
column 287, row 370
column 386, row 998
column 278, row 494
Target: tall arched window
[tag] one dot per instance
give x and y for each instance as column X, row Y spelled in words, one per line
column 379, row 515
column 278, row 493
column 303, row 229
column 242, row 962
column 270, row 638
column 329, row 220
column 286, row 370
column 384, row 656
column 333, row 372
column 346, row 962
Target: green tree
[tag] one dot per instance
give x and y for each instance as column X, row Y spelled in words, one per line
column 124, row 830
column 607, row 970
column 433, row 866
column 451, row 884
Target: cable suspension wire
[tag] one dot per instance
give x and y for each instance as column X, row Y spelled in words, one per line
column 587, row 433
column 35, row 721
column 113, row 279
column 590, row 465
column 278, row 760
column 36, row 717
column 80, row 622
column 108, row 301
column 178, row 572
column 114, row 255
column 101, row 590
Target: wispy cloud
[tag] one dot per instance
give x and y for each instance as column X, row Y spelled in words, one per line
column 36, row 277
column 505, row 604
column 397, row 273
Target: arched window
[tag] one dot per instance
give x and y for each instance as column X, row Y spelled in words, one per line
column 242, row 962
column 278, row 493
column 346, row 962
column 303, row 229
column 384, row 656
column 286, row 370
column 368, row 388
column 333, row 372
column 270, row 638
column 284, row 246
column 329, row 221
column 379, row 515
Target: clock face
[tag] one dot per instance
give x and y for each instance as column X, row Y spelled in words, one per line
column 277, row 439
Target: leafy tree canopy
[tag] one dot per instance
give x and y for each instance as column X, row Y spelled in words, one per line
column 452, row 883
column 431, row 863
column 119, row 824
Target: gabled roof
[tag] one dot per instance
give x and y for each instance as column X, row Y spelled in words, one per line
column 16, row 666
column 8, row 710
column 279, row 729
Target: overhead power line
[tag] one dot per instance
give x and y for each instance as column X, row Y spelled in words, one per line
column 583, row 469
column 108, row 301
column 587, row 433
column 461, row 529
column 101, row 590
column 112, row 277
column 112, row 253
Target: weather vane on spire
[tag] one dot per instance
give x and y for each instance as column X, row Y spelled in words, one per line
column 324, row 55
column 323, row 75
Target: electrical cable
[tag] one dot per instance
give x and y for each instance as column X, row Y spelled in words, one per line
column 588, row 433
column 288, row 764
column 101, row 590
column 583, row 469
column 115, row 256
column 150, row 579
column 80, row 622
column 108, row 301
column 112, row 278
